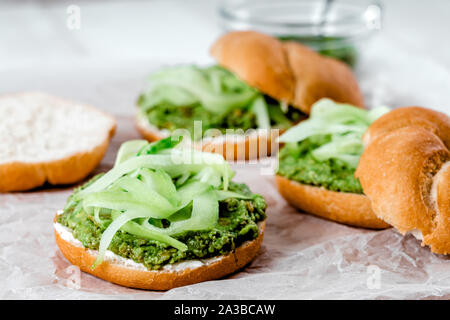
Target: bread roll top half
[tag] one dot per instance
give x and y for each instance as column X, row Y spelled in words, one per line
column 286, row 71
column 404, row 170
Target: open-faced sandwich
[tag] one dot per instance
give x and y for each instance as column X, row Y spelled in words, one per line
column 317, row 164
column 162, row 217
column 259, row 84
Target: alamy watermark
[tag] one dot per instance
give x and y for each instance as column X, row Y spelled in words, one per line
column 252, row 146
column 74, row 279
column 374, row 277
column 73, row 21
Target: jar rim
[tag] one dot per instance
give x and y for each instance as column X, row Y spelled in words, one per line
column 359, row 17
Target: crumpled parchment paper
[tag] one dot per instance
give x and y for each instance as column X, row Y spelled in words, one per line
column 302, row 256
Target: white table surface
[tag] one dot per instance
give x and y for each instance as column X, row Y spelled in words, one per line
column 133, row 36
column 35, row 31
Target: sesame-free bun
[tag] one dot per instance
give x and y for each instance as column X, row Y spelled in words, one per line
column 286, row 71
column 48, row 139
column 257, row 145
column 127, row 276
column 259, row 60
column 431, row 120
column 405, row 172
column 348, row 208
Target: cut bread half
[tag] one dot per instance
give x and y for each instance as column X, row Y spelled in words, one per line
column 128, row 273
column 257, row 145
column 348, row 208
column 47, row 139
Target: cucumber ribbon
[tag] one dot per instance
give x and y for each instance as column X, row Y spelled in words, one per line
column 152, row 185
column 343, row 124
column 218, row 90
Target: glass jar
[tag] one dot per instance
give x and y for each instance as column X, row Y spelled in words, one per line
column 335, row 28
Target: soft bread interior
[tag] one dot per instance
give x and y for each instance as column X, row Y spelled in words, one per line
column 36, row 127
column 44, row 138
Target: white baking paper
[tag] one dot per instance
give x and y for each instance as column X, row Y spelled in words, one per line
column 302, row 256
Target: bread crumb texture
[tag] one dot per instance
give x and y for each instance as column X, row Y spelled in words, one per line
column 44, row 138
column 36, row 127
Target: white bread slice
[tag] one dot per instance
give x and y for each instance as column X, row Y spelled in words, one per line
column 45, row 138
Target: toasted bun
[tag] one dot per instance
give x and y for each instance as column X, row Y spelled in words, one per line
column 44, row 138
column 349, row 208
column 247, row 147
column 160, row 280
column 286, row 71
column 405, row 172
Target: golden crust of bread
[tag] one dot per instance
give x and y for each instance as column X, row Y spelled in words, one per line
column 259, row 60
column 319, row 77
column 348, row 208
column 434, row 121
column 252, row 147
column 20, row 176
column 161, row 280
column 440, row 237
column 147, row 131
column 400, row 172
column 286, row 71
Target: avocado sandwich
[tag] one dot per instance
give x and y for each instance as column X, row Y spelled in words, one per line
column 260, row 84
column 163, row 217
column 316, row 165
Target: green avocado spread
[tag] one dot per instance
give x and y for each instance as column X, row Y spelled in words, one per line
column 171, row 117
column 297, row 163
column 324, row 150
column 237, row 223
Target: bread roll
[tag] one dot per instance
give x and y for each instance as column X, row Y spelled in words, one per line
column 286, row 71
column 404, row 171
column 48, row 139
